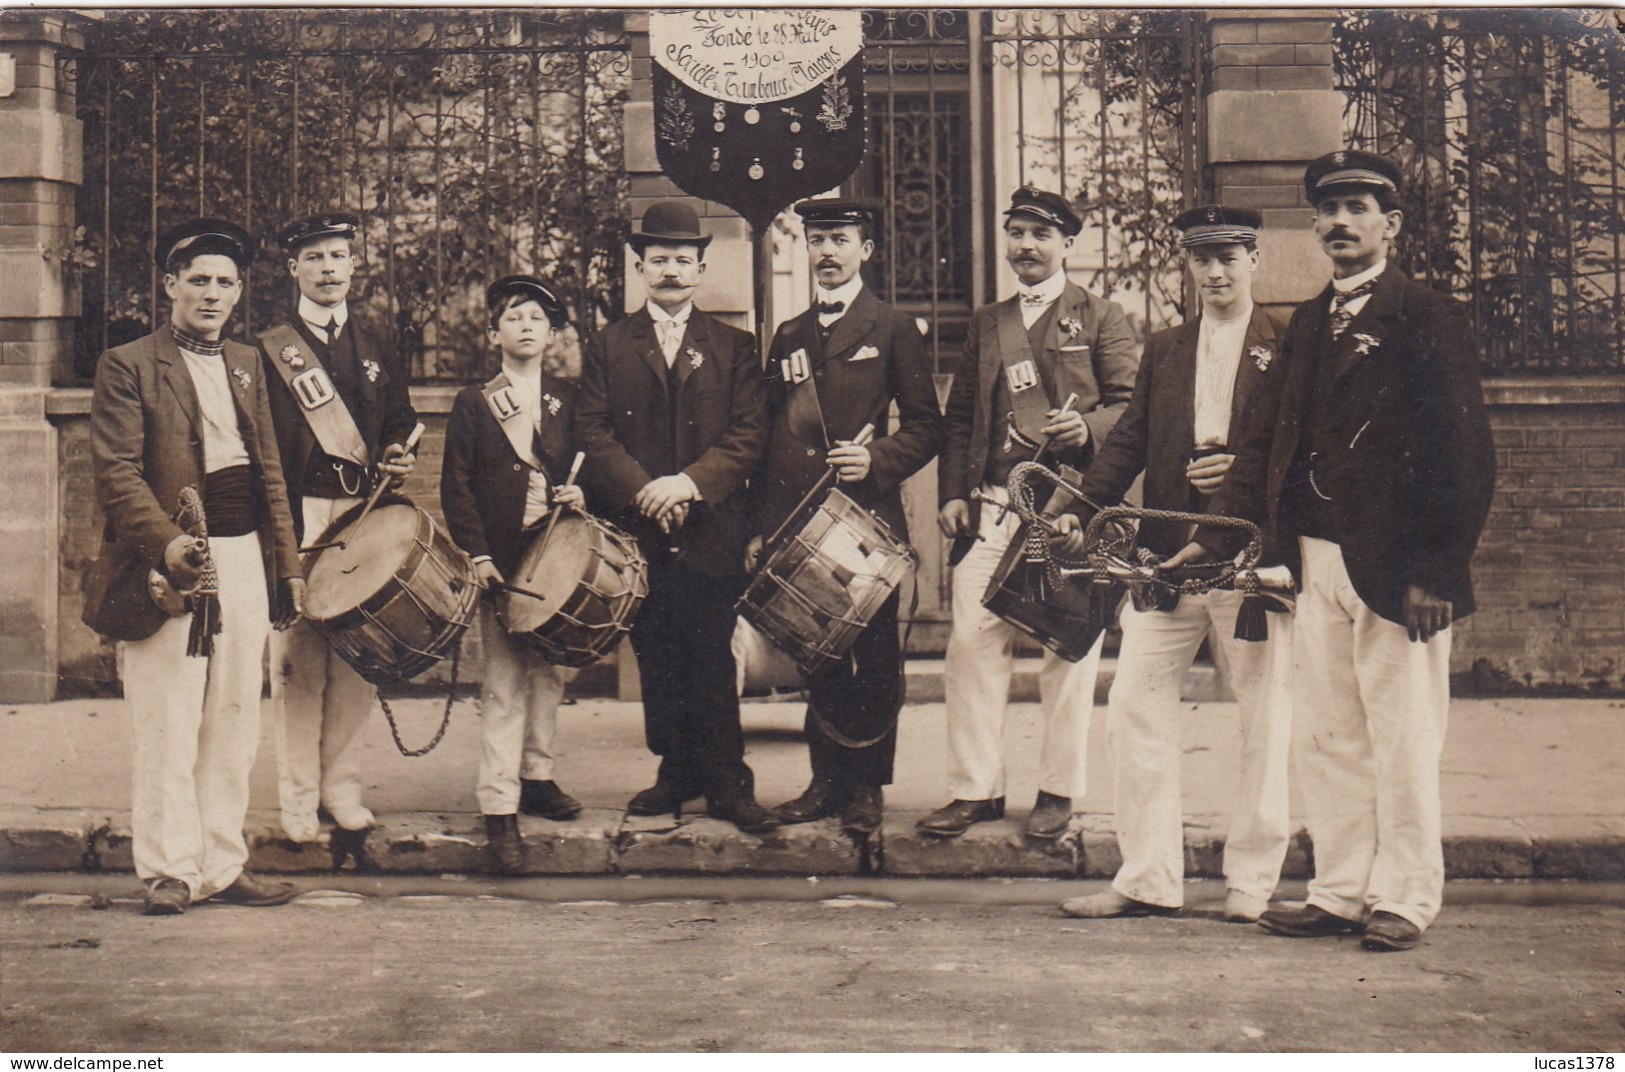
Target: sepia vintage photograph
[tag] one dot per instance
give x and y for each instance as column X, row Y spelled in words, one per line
column 615, row 530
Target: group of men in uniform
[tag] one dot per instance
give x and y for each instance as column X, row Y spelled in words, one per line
column 1355, row 436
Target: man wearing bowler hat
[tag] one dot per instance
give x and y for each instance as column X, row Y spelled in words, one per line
column 338, row 394
column 1372, row 465
column 1023, row 357
column 179, row 421
column 1196, row 385
column 837, row 367
column 670, row 416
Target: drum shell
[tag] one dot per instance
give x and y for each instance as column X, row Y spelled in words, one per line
column 612, row 581
column 416, row 617
column 1059, row 620
column 806, row 599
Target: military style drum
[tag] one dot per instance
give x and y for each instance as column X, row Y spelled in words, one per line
column 576, row 591
column 1053, row 612
column 395, row 596
column 820, row 588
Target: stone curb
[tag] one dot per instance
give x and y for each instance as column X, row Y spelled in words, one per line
column 607, row 842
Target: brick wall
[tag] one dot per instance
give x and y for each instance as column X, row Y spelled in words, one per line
column 1550, row 570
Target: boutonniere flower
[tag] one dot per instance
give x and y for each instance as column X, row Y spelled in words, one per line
column 242, row 377
column 1364, row 343
column 553, row 405
column 1262, row 356
column 695, row 358
column 370, row 367
column 1071, row 325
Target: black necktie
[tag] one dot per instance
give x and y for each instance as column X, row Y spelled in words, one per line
column 829, row 308
column 1341, row 318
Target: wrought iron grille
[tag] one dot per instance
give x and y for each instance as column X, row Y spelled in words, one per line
column 966, row 105
column 1507, row 127
column 473, row 143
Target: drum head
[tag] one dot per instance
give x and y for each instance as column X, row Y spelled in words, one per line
column 343, row 578
column 553, row 576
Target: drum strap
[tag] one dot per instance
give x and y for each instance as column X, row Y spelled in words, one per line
column 509, row 411
column 1029, row 395
column 329, row 420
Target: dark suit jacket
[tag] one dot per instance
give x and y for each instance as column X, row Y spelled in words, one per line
column 1410, row 464
column 851, row 393
column 483, row 480
column 1157, row 430
column 382, row 409
column 1098, row 362
column 624, row 423
column 146, row 442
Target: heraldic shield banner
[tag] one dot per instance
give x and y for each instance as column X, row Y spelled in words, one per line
column 755, row 108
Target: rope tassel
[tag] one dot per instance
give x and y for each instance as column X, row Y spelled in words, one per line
column 1252, row 622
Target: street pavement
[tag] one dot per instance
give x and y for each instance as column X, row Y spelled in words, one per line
column 431, row 964
column 1530, row 790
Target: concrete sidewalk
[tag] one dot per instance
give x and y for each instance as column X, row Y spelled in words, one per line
column 1531, row 789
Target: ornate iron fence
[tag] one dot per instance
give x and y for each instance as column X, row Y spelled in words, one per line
column 473, row 143
column 1507, row 125
column 965, row 105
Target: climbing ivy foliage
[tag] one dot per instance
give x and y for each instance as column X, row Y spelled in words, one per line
column 473, row 145
column 1507, row 125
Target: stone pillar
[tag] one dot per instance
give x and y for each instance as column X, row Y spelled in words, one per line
column 1270, row 110
column 40, row 171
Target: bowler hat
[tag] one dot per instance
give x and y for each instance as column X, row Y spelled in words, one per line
column 673, row 222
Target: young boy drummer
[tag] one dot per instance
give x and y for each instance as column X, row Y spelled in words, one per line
column 508, row 450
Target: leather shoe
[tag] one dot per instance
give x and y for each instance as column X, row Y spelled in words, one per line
column 958, row 816
column 547, row 800
column 1050, row 816
column 167, row 897
column 864, row 810
column 1307, row 921
column 503, row 844
column 251, row 892
column 1386, row 932
column 749, row 816
column 658, row 799
column 1113, row 905
column 817, row 801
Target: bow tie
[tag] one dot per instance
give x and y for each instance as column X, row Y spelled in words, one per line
column 1343, row 297
column 825, row 308
column 1034, row 298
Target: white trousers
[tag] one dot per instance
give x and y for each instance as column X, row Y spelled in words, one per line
column 320, row 706
column 197, row 725
column 519, row 717
column 977, row 676
column 1371, row 710
column 1143, row 732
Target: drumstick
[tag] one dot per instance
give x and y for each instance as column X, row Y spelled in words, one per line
column 1043, row 445
column 372, row 500
column 865, row 434
column 553, row 519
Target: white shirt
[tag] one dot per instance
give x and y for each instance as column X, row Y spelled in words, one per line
column 846, row 293
column 222, row 438
column 318, row 316
column 1039, row 297
column 670, row 338
column 1353, row 281
column 528, row 389
column 1218, row 356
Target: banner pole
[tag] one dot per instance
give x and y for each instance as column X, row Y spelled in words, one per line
column 763, row 241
